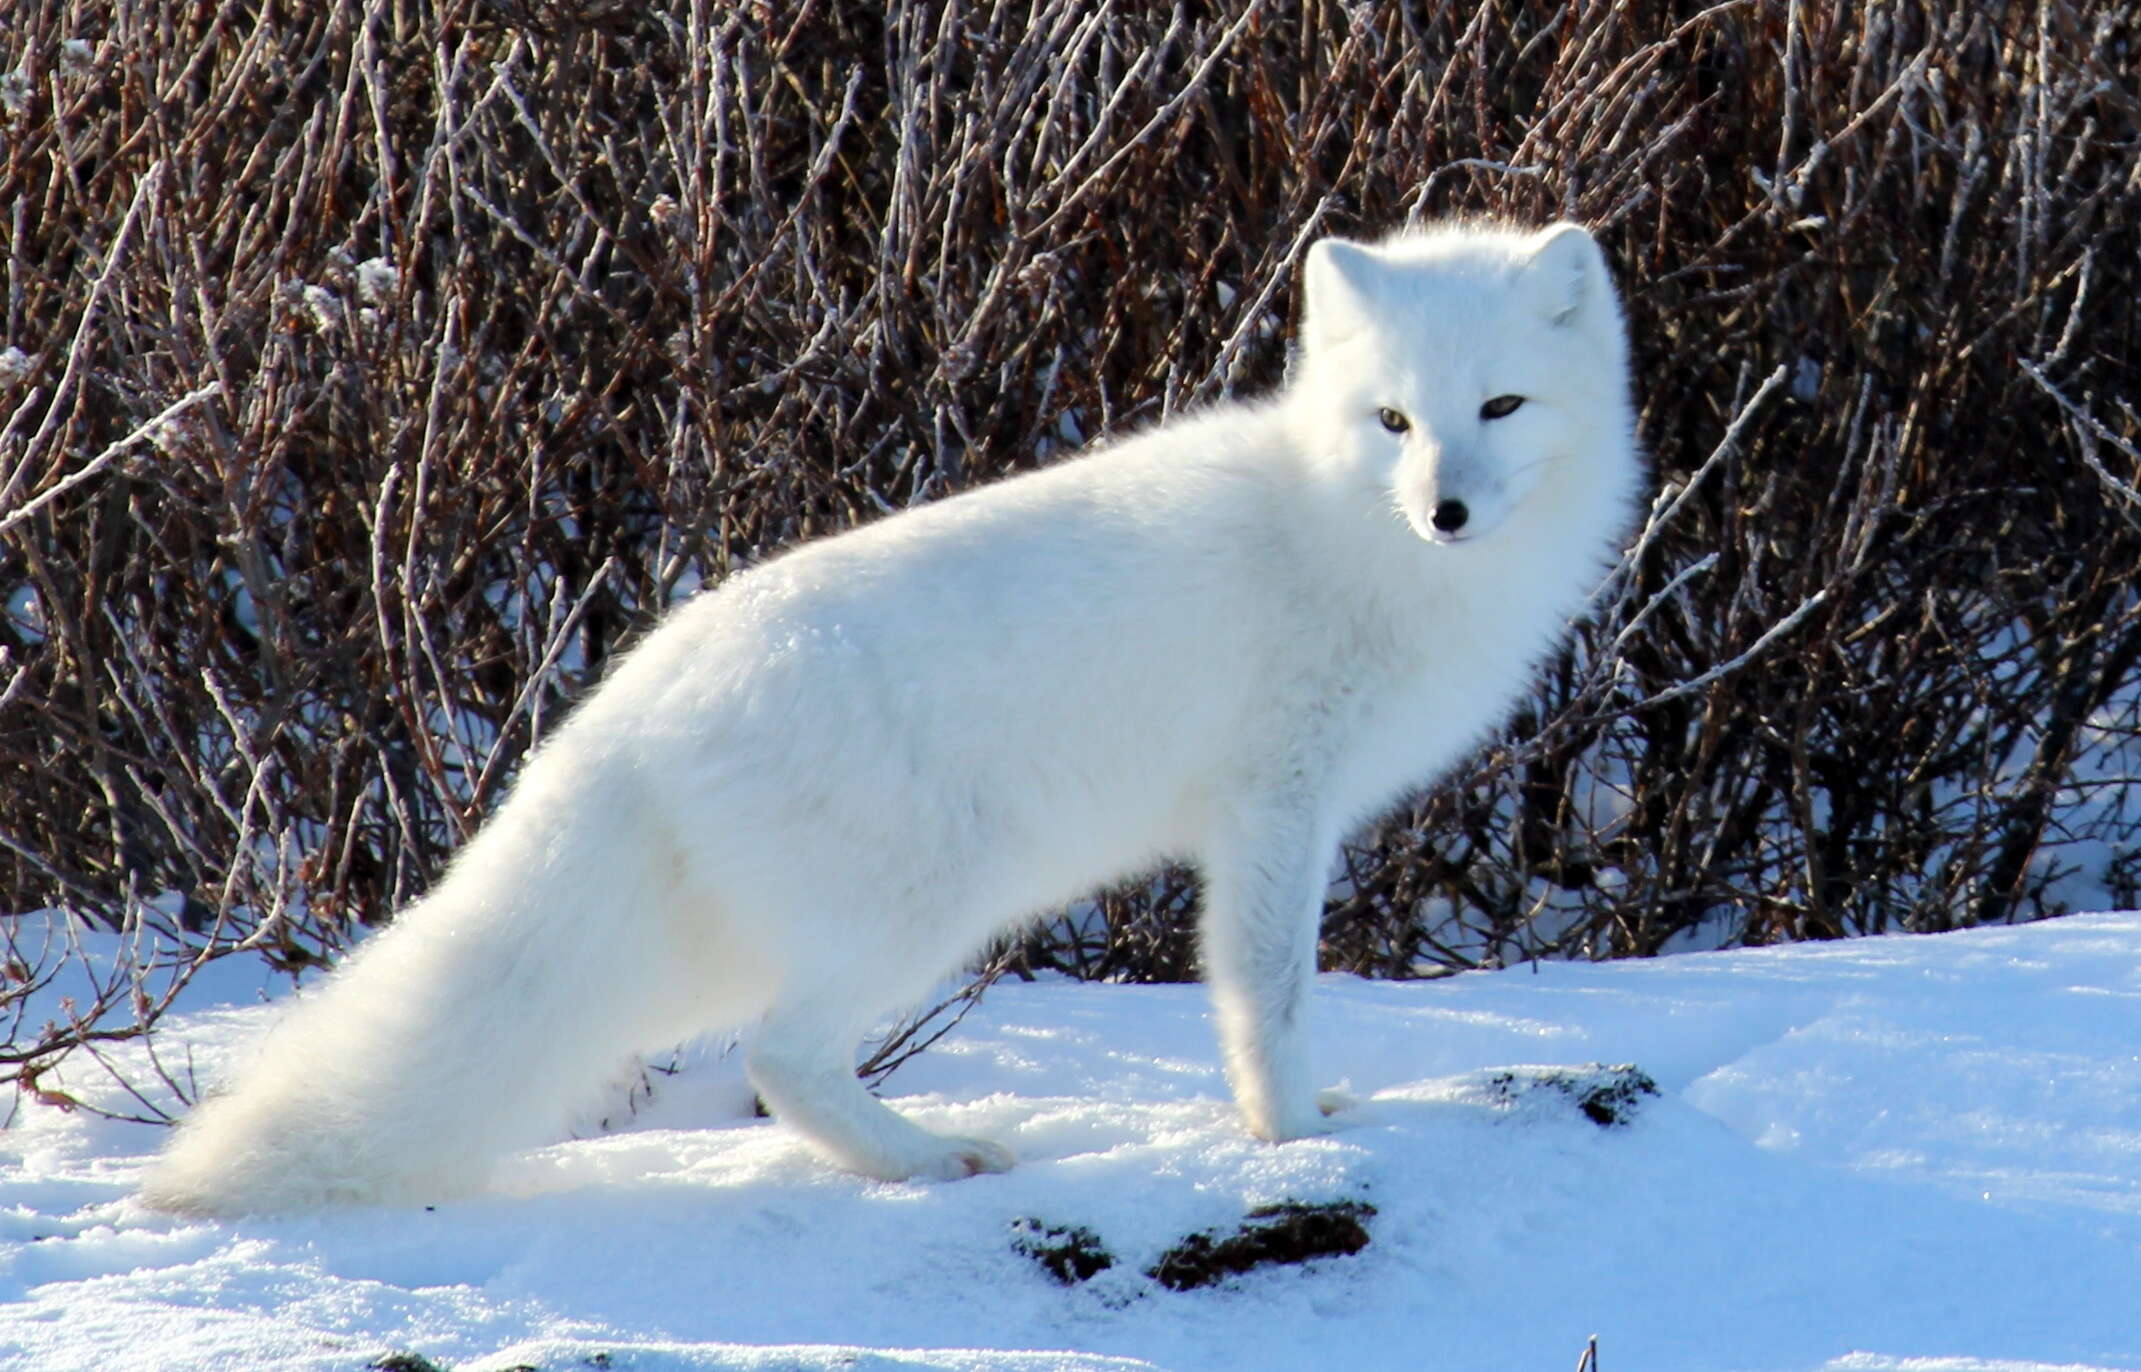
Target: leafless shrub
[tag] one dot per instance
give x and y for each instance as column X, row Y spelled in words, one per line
column 372, row 371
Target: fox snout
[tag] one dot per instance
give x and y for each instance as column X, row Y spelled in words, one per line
column 1447, row 498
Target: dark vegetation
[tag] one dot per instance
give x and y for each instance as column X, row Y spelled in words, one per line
column 1609, row 1097
column 1068, row 1253
column 405, row 1362
column 369, row 374
column 1288, row 1232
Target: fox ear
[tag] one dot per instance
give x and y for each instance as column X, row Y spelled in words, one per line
column 1565, row 273
column 1339, row 282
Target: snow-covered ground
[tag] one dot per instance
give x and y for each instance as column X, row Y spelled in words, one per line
column 1890, row 1154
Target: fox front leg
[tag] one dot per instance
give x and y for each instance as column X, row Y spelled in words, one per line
column 1263, row 903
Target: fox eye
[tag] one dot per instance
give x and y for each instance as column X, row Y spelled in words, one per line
column 1392, row 420
column 1501, row 407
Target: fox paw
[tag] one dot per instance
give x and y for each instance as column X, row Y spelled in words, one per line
column 1335, row 1100
column 1321, row 1114
column 960, row 1158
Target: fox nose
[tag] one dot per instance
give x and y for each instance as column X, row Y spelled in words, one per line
column 1450, row 516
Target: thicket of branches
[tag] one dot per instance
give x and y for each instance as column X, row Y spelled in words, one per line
column 373, row 371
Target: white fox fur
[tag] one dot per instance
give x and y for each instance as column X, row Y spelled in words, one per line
column 816, row 790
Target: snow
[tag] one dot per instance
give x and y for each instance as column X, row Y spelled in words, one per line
column 1887, row 1154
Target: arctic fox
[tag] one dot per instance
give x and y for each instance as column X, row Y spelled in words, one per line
column 817, row 789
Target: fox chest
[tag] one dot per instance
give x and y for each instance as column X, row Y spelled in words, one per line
column 1403, row 732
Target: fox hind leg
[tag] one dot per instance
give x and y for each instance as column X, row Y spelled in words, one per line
column 801, row 1059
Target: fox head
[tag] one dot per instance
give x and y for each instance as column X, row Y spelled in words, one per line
column 1464, row 371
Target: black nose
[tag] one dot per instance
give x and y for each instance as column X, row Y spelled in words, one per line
column 1450, row 516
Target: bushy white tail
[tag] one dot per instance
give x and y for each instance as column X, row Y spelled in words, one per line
column 480, row 1022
